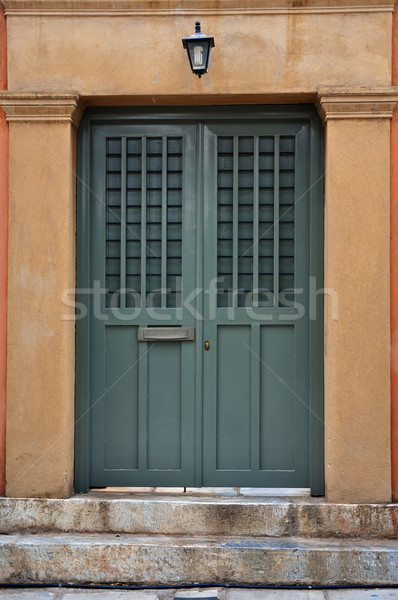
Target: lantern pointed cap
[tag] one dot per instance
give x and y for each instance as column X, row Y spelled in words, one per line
column 198, row 35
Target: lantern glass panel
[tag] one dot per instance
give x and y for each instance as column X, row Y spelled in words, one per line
column 198, row 54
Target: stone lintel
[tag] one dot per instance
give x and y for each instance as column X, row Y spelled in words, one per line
column 332, row 103
column 28, row 107
column 357, row 103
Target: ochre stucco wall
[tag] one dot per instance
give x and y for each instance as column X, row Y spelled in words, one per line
column 254, row 53
column 3, row 249
column 263, row 54
column 394, row 269
column 357, row 342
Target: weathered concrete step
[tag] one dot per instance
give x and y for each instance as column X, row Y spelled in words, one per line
column 155, row 560
column 199, row 516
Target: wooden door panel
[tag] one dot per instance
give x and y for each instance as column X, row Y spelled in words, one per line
column 257, row 372
column 218, row 212
column 143, row 203
column 121, row 398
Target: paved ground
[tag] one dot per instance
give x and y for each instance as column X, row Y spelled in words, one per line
column 220, row 593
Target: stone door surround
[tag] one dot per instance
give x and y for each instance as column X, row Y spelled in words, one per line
column 41, row 343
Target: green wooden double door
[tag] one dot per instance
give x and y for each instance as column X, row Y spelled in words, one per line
column 199, row 325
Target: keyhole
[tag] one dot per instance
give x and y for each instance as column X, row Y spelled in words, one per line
column 207, row 345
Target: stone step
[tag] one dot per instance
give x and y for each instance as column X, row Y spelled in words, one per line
column 180, row 515
column 157, row 560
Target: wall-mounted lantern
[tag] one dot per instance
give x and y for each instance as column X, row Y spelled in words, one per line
column 198, row 47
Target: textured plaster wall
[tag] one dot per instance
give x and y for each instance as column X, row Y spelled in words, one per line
column 41, row 344
column 253, row 54
column 394, row 269
column 267, row 57
column 3, row 248
column 357, row 386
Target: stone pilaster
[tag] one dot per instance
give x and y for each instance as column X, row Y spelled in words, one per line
column 357, row 267
column 40, row 405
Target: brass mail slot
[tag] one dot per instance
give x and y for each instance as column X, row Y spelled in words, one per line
column 166, row 334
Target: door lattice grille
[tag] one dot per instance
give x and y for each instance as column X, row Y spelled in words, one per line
column 255, row 220
column 144, row 221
